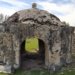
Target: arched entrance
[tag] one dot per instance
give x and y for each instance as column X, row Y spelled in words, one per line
column 32, row 60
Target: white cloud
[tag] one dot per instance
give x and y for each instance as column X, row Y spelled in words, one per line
column 70, row 18
column 62, row 8
column 7, row 11
column 15, row 2
column 67, row 11
column 73, row 1
column 15, row 6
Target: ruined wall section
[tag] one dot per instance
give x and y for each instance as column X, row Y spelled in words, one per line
column 44, row 26
column 73, row 43
column 66, row 45
column 6, row 51
column 57, row 38
column 9, row 52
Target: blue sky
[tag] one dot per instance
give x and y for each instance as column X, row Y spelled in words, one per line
column 64, row 9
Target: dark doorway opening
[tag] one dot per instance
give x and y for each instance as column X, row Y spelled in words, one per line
column 32, row 60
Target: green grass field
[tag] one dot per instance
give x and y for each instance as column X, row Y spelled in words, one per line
column 32, row 45
column 43, row 72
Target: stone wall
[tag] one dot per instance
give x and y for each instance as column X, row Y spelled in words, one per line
column 6, row 52
column 45, row 26
column 73, row 43
column 57, row 40
column 9, row 57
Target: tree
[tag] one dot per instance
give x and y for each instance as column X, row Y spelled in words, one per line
column 3, row 18
column 64, row 23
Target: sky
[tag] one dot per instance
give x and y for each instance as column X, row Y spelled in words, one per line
column 63, row 9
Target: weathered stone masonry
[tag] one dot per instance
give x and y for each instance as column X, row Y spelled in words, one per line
column 30, row 23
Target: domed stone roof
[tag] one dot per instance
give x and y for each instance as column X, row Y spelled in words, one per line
column 35, row 14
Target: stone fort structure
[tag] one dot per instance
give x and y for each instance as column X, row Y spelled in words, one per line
column 55, row 39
